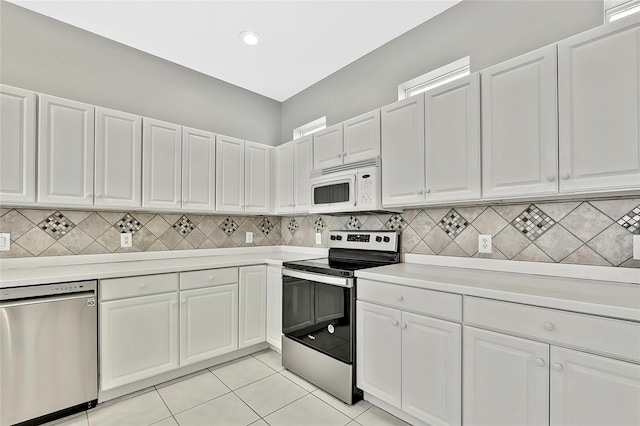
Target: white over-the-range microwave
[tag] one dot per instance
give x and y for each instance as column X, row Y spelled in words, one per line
column 348, row 188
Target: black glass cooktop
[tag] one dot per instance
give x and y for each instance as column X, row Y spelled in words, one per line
column 327, row 266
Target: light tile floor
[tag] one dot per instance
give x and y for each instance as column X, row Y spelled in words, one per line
column 253, row 390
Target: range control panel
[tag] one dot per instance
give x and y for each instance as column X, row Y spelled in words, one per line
column 364, row 240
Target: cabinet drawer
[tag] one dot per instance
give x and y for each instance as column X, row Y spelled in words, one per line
column 121, row 288
column 600, row 334
column 208, row 278
column 429, row 302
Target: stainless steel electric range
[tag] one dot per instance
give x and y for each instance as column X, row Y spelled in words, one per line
column 318, row 309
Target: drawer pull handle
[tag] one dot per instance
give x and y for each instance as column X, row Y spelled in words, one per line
column 548, row 326
column 556, row 366
column 400, row 298
column 403, row 325
column 394, row 322
column 540, row 362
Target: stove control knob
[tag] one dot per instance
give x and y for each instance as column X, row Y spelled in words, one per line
column 333, row 237
column 387, row 239
column 378, row 239
column 339, row 237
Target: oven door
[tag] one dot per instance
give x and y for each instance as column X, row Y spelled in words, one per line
column 333, row 193
column 318, row 311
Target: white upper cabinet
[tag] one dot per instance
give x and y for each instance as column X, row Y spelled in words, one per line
column 327, row 147
column 302, row 166
column 229, row 174
column 284, row 178
column 452, row 138
column 118, row 178
column 161, row 165
column 198, row 170
column 257, row 182
column 65, row 152
column 520, row 126
column 599, row 108
column 17, row 145
column 403, row 155
column 362, row 137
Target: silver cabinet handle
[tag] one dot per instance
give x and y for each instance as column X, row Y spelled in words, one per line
column 419, row 191
column 540, row 362
column 566, row 176
column 400, row 298
column 403, row 325
column 548, row 326
column 551, row 178
column 427, row 190
column 394, row 322
column 339, row 156
column 556, row 366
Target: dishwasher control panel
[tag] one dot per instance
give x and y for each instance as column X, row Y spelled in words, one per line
column 48, row 290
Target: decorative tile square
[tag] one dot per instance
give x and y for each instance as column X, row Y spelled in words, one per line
column 453, row 223
column 56, row 225
column 631, row 221
column 292, row 225
column 265, row 226
column 229, row 226
column 532, row 222
column 319, row 225
column 184, row 226
column 353, row 224
column 396, row 222
column 128, row 223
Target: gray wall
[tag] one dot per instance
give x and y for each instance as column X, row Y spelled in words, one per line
column 488, row 31
column 41, row 54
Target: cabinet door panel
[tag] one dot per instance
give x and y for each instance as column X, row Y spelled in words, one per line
column 17, row 145
column 252, row 305
column 431, row 369
column 593, row 390
column 452, row 138
column 229, row 174
column 519, row 126
column 599, row 108
column 403, row 156
column 198, row 170
column 327, row 147
column 257, row 166
column 302, row 166
column 362, row 137
column 284, row 178
column 502, row 382
column 274, row 306
column 138, row 338
column 162, row 151
column 65, row 152
column 208, row 322
column 378, row 352
column 118, row 159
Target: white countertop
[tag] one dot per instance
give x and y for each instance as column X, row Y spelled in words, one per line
column 598, row 297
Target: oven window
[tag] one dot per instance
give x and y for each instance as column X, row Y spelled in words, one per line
column 335, row 193
column 319, row 316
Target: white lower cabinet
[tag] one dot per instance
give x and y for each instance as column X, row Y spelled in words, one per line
column 252, row 305
column 274, row 307
column 410, row 361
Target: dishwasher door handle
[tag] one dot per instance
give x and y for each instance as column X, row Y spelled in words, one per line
column 47, row 299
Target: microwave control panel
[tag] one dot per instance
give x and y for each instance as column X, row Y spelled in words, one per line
column 367, row 197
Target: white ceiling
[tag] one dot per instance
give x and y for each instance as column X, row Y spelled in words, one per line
column 302, row 41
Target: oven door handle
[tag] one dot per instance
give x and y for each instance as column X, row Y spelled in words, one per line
column 324, row 279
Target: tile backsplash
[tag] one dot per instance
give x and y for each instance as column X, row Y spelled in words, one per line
column 596, row 232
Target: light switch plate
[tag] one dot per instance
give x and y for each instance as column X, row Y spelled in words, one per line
column 318, row 237
column 484, row 243
column 5, row 241
column 636, row 247
column 248, row 237
column 126, row 239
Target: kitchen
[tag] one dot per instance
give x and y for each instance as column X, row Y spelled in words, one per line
column 583, row 232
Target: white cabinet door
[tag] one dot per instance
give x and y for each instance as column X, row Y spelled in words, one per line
column 327, row 147
column 17, row 145
column 302, row 166
column 118, row 159
column 229, row 174
column 252, row 305
column 378, row 352
column 431, row 369
column 362, row 137
column 161, row 165
column 284, row 178
column 138, row 338
column 274, row 306
column 593, row 390
column 520, row 126
column 257, row 179
column 452, row 140
column 208, row 322
column 505, row 379
column 198, row 170
column 65, row 152
column 598, row 86
column 403, row 156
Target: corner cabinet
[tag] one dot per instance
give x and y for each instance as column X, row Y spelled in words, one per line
column 252, row 305
column 599, row 108
column 284, row 183
column 162, row 165
column 118, row 161
column 198, row 170
column 520, row 126
column 65, row 152
column 17, row 145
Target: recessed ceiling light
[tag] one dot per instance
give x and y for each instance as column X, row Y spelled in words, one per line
column 250, row 38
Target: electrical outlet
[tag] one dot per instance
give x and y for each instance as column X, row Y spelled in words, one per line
column 248, row 237
column 318, row 238
column 5, row 241
column 126, row 240
column 484, row 243
column 636, row 247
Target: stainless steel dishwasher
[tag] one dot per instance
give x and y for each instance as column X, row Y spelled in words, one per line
column 48, row 351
